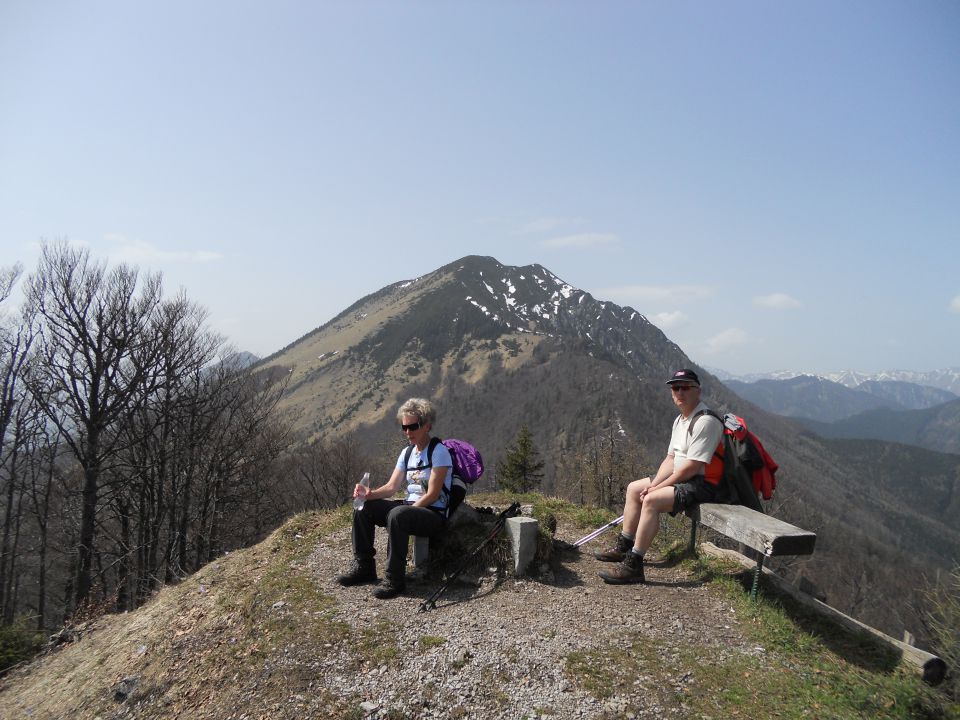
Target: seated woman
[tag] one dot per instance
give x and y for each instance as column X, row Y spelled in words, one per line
column 427, row 478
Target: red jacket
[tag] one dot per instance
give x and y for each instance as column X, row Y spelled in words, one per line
column 764, row 481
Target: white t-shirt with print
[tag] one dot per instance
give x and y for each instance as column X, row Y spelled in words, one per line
column 418, row 472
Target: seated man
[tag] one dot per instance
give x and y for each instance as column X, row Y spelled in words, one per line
column 691, row 473
column 427, row 477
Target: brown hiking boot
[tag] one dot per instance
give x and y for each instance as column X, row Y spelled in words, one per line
column 364, row 571
column 617, row 552
column 628, row 572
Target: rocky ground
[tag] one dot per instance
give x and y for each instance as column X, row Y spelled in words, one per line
column 527, row 648
column 266, row 633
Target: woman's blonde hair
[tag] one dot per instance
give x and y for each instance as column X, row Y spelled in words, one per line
column 421, row 408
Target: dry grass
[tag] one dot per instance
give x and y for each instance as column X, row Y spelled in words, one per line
column 196, row 646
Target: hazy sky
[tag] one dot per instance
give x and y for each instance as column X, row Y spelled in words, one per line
column 775, row 185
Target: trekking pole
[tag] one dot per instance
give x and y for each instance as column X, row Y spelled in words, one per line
column 431, row 602
column 599, row 531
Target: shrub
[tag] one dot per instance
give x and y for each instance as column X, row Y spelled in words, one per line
column 18, row 642
column 943, row 620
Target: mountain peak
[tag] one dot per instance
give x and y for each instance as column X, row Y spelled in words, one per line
column 472, row 323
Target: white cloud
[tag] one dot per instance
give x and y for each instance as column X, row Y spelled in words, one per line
column 138, row 252
column 641, row 295
column 583, row 240
column 777, row 301
column 544, row 225
column 955, row 305
column 669, row 320
column 727, row 340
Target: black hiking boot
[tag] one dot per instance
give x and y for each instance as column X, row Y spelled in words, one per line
column 617, row 552
column 628, row 572
column 389, row 588
column 363, row 572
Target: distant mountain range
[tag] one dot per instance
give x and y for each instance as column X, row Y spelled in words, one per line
column 892, row 410
column 945, row 379
column 817, row 398
column 497, row 346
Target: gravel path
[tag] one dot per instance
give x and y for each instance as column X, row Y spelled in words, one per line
column 493, row 651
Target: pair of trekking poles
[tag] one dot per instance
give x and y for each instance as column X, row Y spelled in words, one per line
column 431, row 602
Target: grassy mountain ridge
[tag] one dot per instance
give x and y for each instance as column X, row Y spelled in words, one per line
column 264, row 632
column 497, row 346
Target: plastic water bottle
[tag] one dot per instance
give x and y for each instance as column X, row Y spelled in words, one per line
column 365, row 484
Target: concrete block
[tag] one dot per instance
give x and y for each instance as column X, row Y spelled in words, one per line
column 522, row 532
column 421, row 551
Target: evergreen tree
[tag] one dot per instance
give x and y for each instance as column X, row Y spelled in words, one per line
column 523, row 469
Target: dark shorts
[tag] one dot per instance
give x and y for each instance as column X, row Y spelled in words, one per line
column 696, row 491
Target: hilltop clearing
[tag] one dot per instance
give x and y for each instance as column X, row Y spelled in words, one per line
column 265, row 632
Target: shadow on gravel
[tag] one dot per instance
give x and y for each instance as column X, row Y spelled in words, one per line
column 565, row 564
column 458, row 593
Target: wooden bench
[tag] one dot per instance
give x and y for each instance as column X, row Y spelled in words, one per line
column 767, row 535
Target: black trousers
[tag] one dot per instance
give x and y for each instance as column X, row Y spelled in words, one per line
column 401, row 521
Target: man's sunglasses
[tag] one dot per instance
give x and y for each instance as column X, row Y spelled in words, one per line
column 682, row 388
column 411, row 426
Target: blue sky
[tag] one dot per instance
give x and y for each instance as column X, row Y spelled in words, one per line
column 775, row 185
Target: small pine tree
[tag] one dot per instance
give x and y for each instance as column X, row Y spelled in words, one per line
column 523, row 469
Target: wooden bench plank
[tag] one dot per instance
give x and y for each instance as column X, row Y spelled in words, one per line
column 765, row 534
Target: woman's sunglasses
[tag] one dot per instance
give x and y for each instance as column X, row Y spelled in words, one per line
column 411, row 426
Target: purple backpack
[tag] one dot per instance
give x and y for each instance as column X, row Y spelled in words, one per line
column 467, row 462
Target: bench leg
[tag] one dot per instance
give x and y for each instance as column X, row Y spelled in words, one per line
column 756, row 577
column 694, row 515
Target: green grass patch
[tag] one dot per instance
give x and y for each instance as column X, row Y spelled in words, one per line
column 431, row 641
column 376, row 643
column 772, row 684
column 583, row 516
column 276, row 601
column 809, row 667
column 599, row 672
column 298, row 537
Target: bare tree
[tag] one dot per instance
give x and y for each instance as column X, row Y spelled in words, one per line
column 131, row 453
column 15, row 341
column 250, row 406
column 600, row 468
column 155, row 470
column 34, row 464
column 98, row 356
column 323, row 471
